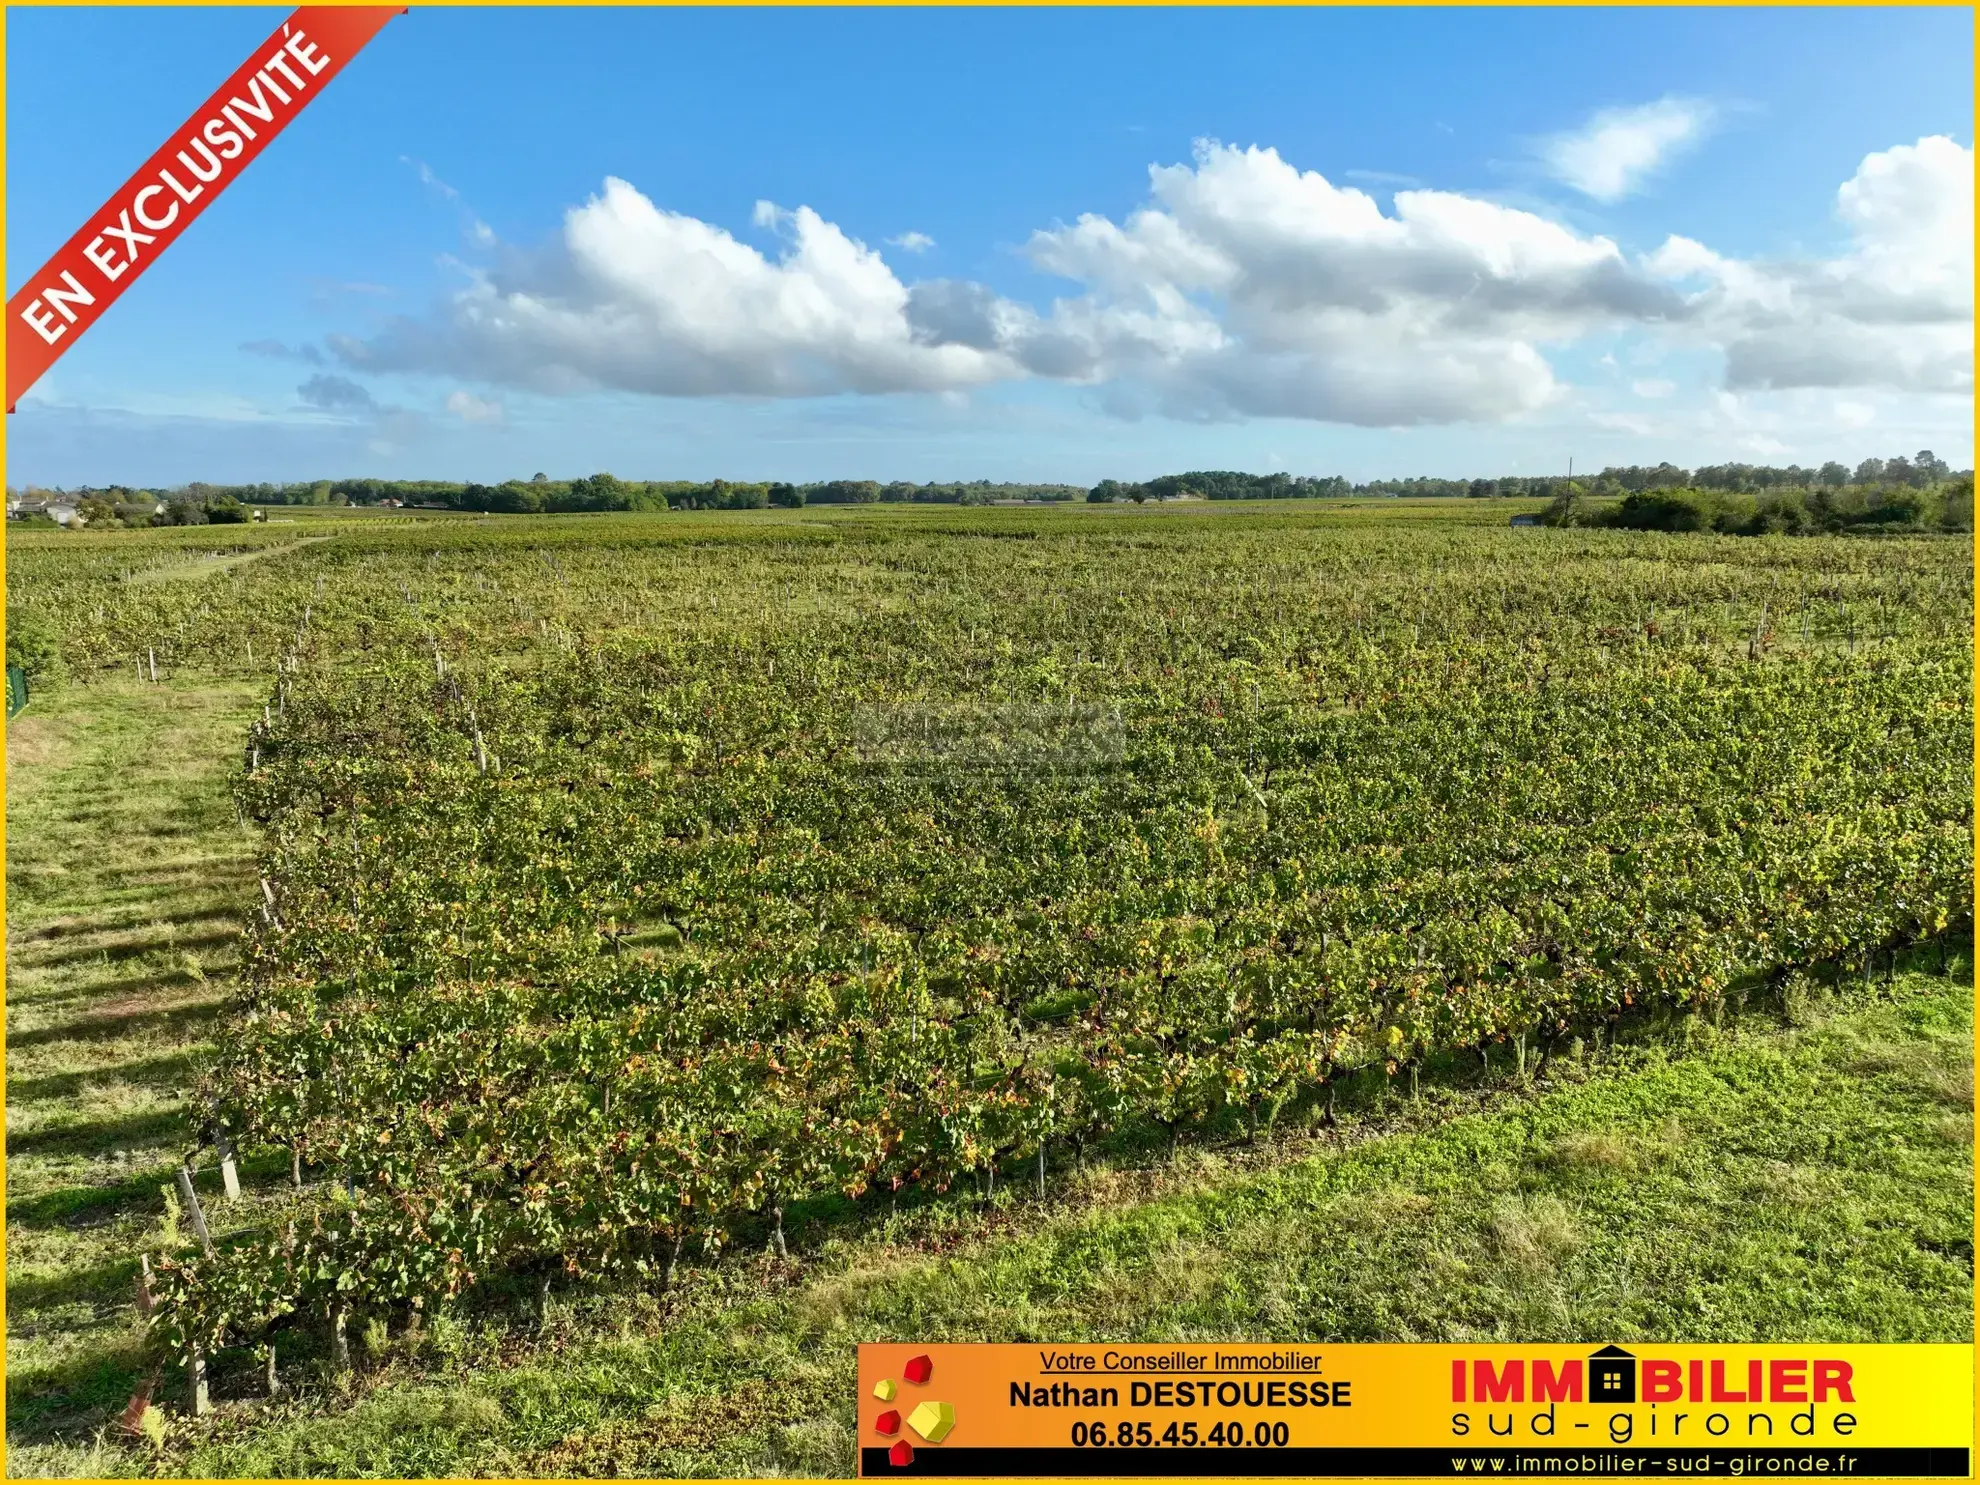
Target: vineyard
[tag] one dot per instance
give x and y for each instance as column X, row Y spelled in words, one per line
column 628, row 885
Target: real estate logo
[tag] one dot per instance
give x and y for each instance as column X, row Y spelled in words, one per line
column 930, row 1420
column 1612, row 1375
column 1312, row 1409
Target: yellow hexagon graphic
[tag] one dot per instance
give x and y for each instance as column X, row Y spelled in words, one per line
column 932, row 1420
column 885, row 1388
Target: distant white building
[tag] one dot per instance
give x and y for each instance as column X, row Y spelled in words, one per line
column 61, row 512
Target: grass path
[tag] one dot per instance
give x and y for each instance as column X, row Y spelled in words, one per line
column 208, row 566
column 126, row 870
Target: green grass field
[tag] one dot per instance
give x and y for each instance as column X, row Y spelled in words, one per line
column 125, row 873
column 1801, row 1171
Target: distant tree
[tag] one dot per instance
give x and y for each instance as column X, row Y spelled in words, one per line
column 1956, row 514
column 790, row 497
column 598, row 492
column 509, row 499
column 1568, row 507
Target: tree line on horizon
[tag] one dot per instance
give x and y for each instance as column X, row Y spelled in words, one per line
column 1920, row 471
column 200, row 501
column 541, row 494
column 1942, row 506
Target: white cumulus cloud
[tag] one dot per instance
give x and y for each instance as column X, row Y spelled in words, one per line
column 1894, row 311
column 1253, row 286
column 648, row 300
column 1242, row 286
column 1619, row 149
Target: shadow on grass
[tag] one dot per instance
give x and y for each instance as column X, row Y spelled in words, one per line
column 118, row 953
column 216, row 902
column 42, row 1001
column 178, row 1020
column 152, row 1072
column 111, row 1282
column 84, row 1206
column 77, row 1395
column 100, row 1136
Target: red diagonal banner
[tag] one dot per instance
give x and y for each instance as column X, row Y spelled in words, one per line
column 200, row 160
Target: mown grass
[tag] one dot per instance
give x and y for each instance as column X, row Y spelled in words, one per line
column 125, row 872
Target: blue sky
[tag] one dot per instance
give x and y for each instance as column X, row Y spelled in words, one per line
column 1611, row 234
